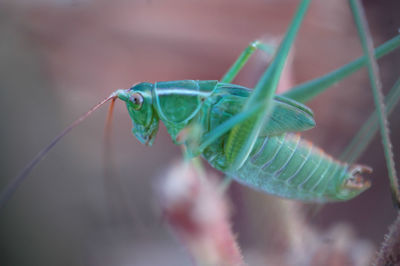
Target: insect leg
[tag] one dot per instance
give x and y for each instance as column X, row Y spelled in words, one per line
column 310, row 89
column 244, row 57
column 242, row 137
column 373, row 73
column 365, row 135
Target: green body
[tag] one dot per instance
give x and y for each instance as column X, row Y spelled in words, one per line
column 248, row 134
column 279, row 163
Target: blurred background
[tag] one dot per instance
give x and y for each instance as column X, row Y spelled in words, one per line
column 60, row 57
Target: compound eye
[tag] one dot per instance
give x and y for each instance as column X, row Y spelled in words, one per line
column 137, row 100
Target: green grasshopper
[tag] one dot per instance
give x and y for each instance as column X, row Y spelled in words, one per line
column 247, row 134
column 277, row 162
column 255, row 148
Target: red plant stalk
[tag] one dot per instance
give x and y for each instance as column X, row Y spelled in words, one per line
column 197, row 213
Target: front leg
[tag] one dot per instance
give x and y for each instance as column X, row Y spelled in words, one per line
column 190, row 137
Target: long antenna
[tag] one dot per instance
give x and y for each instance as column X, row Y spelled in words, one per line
column 108, row 165
column 9, row 190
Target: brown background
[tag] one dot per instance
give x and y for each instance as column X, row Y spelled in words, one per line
column 58, row 58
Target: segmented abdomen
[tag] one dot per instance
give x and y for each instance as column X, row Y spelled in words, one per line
column 290, row 167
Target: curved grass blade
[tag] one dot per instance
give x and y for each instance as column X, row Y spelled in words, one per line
column 310, row 89
column 373, row 72
column 367, row 132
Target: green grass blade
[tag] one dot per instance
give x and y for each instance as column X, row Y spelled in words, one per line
column 308, row 90
column 265, row 89
column 223, row 128
column 364, row 136
column 373, row 73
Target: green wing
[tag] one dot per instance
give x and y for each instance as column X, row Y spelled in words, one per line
column 287, row 116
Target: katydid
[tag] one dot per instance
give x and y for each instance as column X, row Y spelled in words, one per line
column 247, row 134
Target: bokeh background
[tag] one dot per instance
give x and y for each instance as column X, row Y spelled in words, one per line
column 58, row 58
